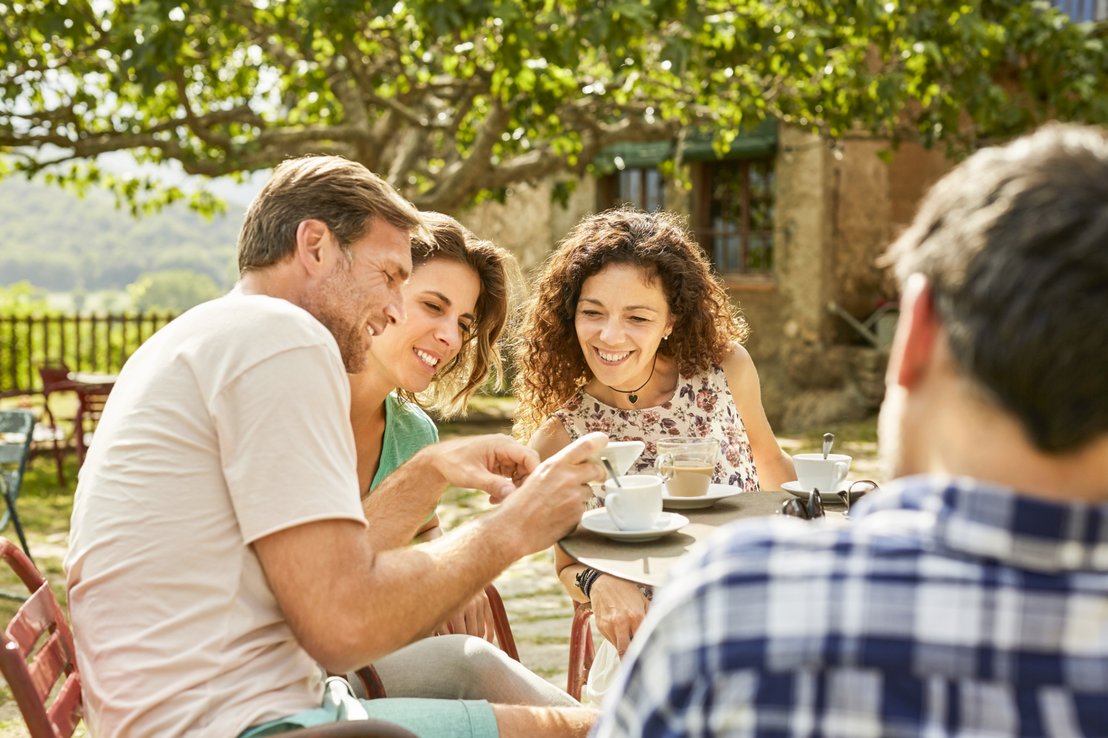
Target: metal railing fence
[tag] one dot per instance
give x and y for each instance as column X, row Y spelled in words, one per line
column 88, row 343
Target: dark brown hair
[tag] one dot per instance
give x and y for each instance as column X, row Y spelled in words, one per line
column 1014, row 243
column 548, row 359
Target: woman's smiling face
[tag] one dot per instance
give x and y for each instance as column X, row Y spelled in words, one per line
column 440, row 301
column 622, row 316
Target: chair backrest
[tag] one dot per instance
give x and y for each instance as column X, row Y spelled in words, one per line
column 37, row 656
column 16, row 433
column 55, row 377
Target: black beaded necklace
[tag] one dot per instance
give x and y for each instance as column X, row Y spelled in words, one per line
column 632, row 395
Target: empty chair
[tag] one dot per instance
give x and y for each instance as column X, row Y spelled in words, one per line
column 90, row 405
column 37, row 656
column 55, row 378
column 16, row 433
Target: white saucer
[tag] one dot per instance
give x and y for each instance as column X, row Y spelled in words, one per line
column 598, row 521
column 796, row 490
column 715, row 493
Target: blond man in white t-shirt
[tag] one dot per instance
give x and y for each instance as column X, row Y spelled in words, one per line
column 219, row 552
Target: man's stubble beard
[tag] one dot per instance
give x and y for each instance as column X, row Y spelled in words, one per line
column 327, row 306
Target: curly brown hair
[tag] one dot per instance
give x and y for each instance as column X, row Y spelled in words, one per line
column 548, row 359
column 445, row 238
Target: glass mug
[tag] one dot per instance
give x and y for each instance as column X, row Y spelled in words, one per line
column 687, row 464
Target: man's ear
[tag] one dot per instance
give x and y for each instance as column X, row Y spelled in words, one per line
column 916, row 333
column 311, row 236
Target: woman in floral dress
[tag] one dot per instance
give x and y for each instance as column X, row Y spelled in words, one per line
column 629, row 332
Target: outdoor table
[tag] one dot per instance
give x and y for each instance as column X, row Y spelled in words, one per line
column 93, row 381
column 647, row 562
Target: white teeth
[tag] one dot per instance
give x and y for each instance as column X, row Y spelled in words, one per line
column 426, row 358
column 613, row 357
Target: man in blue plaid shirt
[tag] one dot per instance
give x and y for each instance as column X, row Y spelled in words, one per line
column 970, row 596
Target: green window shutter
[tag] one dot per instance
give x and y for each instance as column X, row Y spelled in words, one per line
column 751, row 144
column 759, row 141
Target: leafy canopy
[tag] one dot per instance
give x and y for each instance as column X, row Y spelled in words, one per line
column 456, row 101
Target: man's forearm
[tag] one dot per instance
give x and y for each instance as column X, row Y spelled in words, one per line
column 414, row 589
column 399, row 506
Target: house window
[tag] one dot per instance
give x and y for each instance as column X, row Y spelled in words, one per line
column 642, row 187
column 733, row 213
column 1083, row 10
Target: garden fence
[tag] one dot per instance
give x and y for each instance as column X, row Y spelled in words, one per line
column 85, row 343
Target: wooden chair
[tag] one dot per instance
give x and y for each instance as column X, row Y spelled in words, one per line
column 38, row 661
column 55, row 378
column 581, row 649
column 17, row 429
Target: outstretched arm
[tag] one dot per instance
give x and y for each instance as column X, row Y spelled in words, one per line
column 618, row 605
column 349, row 601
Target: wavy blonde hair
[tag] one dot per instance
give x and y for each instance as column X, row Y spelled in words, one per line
column 445, row 238
column 547, row 355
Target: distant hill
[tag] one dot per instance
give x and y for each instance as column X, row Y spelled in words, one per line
column 61, row 242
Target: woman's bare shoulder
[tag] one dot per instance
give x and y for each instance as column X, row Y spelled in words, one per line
column 550, row 438
column 737, row 359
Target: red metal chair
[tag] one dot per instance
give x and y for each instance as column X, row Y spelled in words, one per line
column 581, row 649
column 372, row 687
column 90, row 405
column 500, row 623
column 37, row 656
column 38, row 661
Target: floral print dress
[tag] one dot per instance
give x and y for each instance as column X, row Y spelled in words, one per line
column 701, row 406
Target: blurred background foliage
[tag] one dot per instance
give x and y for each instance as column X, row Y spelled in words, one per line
column 454, row 102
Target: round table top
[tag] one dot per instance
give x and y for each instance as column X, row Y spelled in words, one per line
column 648, row 562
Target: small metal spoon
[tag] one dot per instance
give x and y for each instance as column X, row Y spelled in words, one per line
column 828, row 442
column 611, row 472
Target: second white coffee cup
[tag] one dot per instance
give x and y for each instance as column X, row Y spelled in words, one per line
column 813, row 471
column 637, row 504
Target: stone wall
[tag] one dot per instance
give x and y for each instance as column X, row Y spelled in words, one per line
column 529, row 223
column 837, row 210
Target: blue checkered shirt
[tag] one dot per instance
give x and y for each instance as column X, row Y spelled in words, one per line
column 946, row 608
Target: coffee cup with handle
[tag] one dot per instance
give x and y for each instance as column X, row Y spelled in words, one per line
column 825, row 473
column 620, row 455
column 687, row 464
column 636, row 504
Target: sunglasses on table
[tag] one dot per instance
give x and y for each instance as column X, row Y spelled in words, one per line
column 813, row 508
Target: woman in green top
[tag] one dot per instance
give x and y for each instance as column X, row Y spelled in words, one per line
column 456, row 306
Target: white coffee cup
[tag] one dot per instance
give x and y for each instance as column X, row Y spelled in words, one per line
column 621, row 455
column 813, row 471
column 637, row 503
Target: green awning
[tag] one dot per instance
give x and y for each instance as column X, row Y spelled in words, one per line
column 759, row 141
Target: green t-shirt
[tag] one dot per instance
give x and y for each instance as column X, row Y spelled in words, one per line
column 407, row 430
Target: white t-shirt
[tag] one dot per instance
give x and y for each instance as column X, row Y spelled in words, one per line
column 229, row 424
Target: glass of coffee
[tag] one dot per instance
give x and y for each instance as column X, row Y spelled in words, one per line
column 687, row 464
